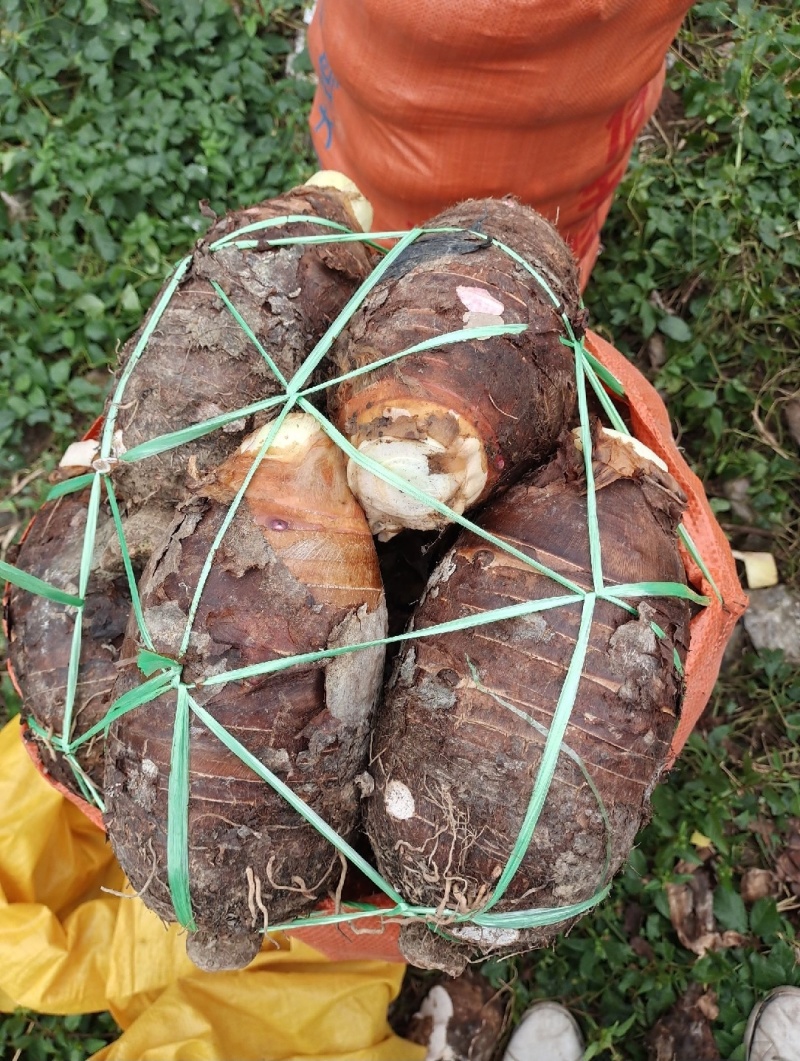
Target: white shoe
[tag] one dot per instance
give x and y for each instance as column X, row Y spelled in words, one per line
column 547, row 1032
column 773, row 1031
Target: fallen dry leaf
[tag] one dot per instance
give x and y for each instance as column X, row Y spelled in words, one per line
column 707, row 1004
column 691, row 910
column 787, row 864
column 656, row 351
column 757, row 884
column 685, row 1031
column 763, row 827
column 642, row 948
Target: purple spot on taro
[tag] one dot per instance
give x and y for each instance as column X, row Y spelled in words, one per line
column 278, row 525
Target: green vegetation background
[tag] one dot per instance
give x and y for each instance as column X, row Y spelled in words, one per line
column 117, row 118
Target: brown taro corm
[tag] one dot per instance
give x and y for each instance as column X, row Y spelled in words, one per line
column 459, row 420
column 454, row 765
column 296, row 572
column 199, row 363
column 40, row 631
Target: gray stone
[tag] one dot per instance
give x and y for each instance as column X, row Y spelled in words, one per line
column 734, row 649
column 773, row 620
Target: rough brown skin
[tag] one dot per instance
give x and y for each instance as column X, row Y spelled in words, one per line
column 296, row 572
column 516, row 391
column 470, row 764
column 40, row 631
column 199, row 363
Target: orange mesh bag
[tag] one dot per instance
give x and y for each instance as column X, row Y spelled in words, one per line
column 428, row 102
column 710, row 628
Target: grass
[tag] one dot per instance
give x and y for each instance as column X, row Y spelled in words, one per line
column 115, row 121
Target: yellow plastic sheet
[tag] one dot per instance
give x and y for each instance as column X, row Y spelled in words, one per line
column 69, row 946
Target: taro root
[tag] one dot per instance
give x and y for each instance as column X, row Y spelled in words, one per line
column 459, row 420
column 199, row 362
column 40, row 631
column 454, row 766
column 295, row 572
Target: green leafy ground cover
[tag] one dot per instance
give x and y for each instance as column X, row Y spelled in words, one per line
column 117, row 118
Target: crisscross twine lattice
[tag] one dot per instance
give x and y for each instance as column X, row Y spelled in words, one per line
column 162, row 674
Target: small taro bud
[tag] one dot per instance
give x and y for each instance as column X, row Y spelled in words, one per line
column 359, row 204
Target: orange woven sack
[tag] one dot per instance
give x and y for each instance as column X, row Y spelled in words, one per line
column 712, row 626
column 427, row 102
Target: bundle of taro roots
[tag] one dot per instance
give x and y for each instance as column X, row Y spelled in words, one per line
column 500, row 760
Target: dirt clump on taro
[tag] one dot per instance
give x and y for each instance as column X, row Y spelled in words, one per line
column 460, row 737
column 296, row 572
column 462, row 419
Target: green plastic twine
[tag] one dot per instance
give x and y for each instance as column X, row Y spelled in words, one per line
column 155, row 318
column 133, row 587
column 593, row 526
column 77, row 629
column 32, row 584
column 274, row 666
column 229, row 516
column 555, row 737
column 564, row 749
column 205, row 427
column 70, row 486
column 178, row 814
column 91, row 526
column 165, row 673
column 293, row 800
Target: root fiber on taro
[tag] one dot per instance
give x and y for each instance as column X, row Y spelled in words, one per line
column 460, row 739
